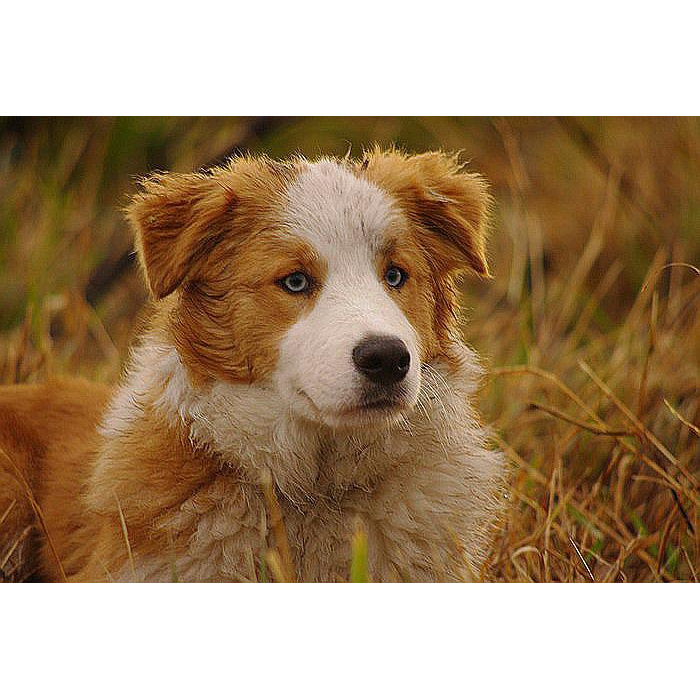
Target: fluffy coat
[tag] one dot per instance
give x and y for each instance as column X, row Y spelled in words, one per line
column 239, row 389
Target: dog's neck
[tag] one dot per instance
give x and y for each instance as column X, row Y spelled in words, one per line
column 245, row 426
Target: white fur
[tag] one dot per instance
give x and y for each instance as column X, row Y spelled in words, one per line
column 155, row 369
column 344, row 218
column 428, row 479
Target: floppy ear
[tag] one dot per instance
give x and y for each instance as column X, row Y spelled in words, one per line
column 177, row 220
column 451, row 205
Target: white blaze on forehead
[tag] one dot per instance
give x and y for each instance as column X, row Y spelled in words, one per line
column 345, row 219
column 334, row 210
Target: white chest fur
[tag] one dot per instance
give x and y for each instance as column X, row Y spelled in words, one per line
column 426, row 489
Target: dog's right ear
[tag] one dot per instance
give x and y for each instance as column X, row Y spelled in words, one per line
column 177, row 220
column 449, row 204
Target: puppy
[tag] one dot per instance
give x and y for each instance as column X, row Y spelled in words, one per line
column 302, row 376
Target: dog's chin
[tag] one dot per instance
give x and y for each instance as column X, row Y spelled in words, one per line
column 374, row 413
column 368, row 416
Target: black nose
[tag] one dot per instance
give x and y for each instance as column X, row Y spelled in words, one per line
column 382, row 358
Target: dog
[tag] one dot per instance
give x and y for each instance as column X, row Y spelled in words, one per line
column 302, row 378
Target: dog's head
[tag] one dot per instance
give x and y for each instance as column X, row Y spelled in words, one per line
column 330, row 282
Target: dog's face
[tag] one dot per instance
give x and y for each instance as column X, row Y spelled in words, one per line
column 329, row 282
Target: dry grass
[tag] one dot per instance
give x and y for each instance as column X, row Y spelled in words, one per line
column 591, row 327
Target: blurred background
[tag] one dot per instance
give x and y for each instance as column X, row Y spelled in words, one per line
column 589, row 328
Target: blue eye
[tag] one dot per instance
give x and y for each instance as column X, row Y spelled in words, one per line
column 296, row 282
column 395, row 277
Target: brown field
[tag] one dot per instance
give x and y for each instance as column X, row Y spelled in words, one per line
column 590, row 328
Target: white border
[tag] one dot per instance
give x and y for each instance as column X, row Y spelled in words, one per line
column 385, row 641
column 598, row 57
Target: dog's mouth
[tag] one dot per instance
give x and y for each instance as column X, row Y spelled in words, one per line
column 368, row 408
column 376, row 405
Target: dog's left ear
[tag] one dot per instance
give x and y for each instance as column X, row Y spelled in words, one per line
column 177, row 219
column 449, row 204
